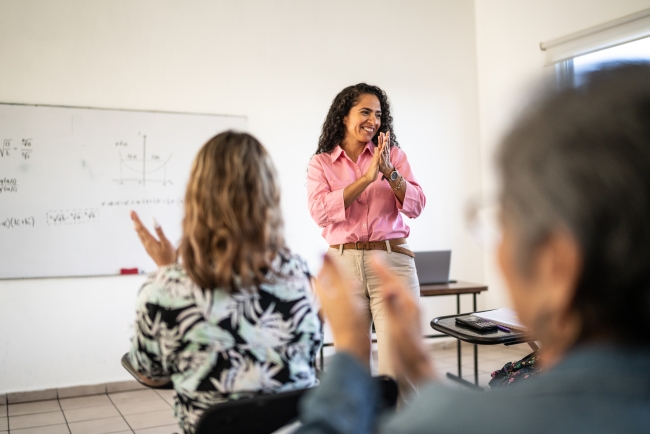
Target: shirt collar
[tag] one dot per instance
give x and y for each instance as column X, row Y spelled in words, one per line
column 336, row 152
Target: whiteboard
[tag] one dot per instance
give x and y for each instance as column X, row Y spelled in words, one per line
column 69, row 177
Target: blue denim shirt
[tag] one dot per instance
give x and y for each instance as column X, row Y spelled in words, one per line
column 594, row 389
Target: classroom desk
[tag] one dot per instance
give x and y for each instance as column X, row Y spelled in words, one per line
column 437, row 290
column 457, row 289
column 447, row 325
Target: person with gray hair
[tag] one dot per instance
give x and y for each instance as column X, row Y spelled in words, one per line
column 575, row 256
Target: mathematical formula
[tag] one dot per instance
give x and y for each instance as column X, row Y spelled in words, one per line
column 72, row 217
column 10, row 147
column 16, row 222
column 8, row 185
column 145, row 201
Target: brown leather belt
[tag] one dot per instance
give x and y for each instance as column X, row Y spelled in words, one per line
column 378, row 245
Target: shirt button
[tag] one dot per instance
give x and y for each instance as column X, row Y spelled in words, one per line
column 364, row 225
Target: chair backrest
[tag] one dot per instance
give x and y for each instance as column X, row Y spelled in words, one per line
column 261, row 414
column 265, row 414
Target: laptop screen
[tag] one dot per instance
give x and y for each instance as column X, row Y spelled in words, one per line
column 433, row 267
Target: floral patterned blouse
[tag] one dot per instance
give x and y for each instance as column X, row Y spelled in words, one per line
column 218, row 346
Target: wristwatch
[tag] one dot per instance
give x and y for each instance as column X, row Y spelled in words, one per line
column 393, row 175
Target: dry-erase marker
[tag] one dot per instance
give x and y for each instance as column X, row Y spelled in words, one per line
column 505, row 329
column 156, row 225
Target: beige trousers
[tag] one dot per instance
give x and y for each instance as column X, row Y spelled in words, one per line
column 356, row 265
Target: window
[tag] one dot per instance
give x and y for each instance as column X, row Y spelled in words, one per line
column 624, row 39
column 632, row 51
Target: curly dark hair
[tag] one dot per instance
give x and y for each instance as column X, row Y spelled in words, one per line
column 333, row 128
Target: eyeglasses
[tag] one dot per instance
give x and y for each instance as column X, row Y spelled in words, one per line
column 482, row 219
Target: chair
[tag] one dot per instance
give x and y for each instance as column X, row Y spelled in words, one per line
column 262, row 414
column 265, row 414
column 126, row 363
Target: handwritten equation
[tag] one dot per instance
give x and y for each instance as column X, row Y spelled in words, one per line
column 11, row 147
column 72, row 217
column 8, row 185
column 16, row 222
column 145, row 201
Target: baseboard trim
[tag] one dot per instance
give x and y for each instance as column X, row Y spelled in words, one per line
column 69, row 392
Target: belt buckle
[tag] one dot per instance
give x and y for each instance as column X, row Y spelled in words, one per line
column 356, row 245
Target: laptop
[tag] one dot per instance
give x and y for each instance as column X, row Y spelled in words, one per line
column 433, row 267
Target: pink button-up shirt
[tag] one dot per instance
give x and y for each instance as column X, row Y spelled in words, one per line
column 375, row 214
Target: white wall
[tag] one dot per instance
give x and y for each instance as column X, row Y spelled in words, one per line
column 508, row 33
column 278, row 62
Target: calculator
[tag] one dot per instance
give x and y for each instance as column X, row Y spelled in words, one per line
column 479, row 324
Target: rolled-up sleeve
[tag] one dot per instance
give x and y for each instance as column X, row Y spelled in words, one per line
column 326, row 204
column 414, row 199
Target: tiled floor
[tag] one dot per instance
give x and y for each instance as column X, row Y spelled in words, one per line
column 137, row 411
column 150, row 411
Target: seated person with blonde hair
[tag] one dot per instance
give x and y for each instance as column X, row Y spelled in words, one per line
column 236, row 318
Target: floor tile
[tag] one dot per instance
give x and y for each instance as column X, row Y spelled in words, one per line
column 170, row 401
column 34, row 407
column 71, row 392
column 38, row 395
column 134, row 407
column 136, row 395
column 99, row 426
column 3, row 411
column 33, row 420
column 4, row 426
column 90, row 413
column 167, row 429
column 123, row 386
column 85, row 402
column 151, row 419
column 51, row 429
column 166, row 393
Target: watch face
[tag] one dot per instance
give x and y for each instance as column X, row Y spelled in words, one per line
column 393, row 175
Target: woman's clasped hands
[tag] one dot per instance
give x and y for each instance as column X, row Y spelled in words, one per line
column 381, row 159
column 385, row 166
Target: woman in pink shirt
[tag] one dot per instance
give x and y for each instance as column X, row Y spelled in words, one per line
column 359, row 183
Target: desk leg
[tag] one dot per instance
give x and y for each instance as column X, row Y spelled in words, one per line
column 476, row 364
column 475, row 350
column 460, row 358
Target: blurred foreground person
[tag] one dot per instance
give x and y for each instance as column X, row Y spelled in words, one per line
column 575, row 255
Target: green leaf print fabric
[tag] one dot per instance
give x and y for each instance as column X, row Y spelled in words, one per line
column 216, row 346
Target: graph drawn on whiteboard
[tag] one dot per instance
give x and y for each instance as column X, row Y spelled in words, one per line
column 144, row 168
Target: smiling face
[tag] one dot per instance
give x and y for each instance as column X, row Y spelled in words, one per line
column 363, row 120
